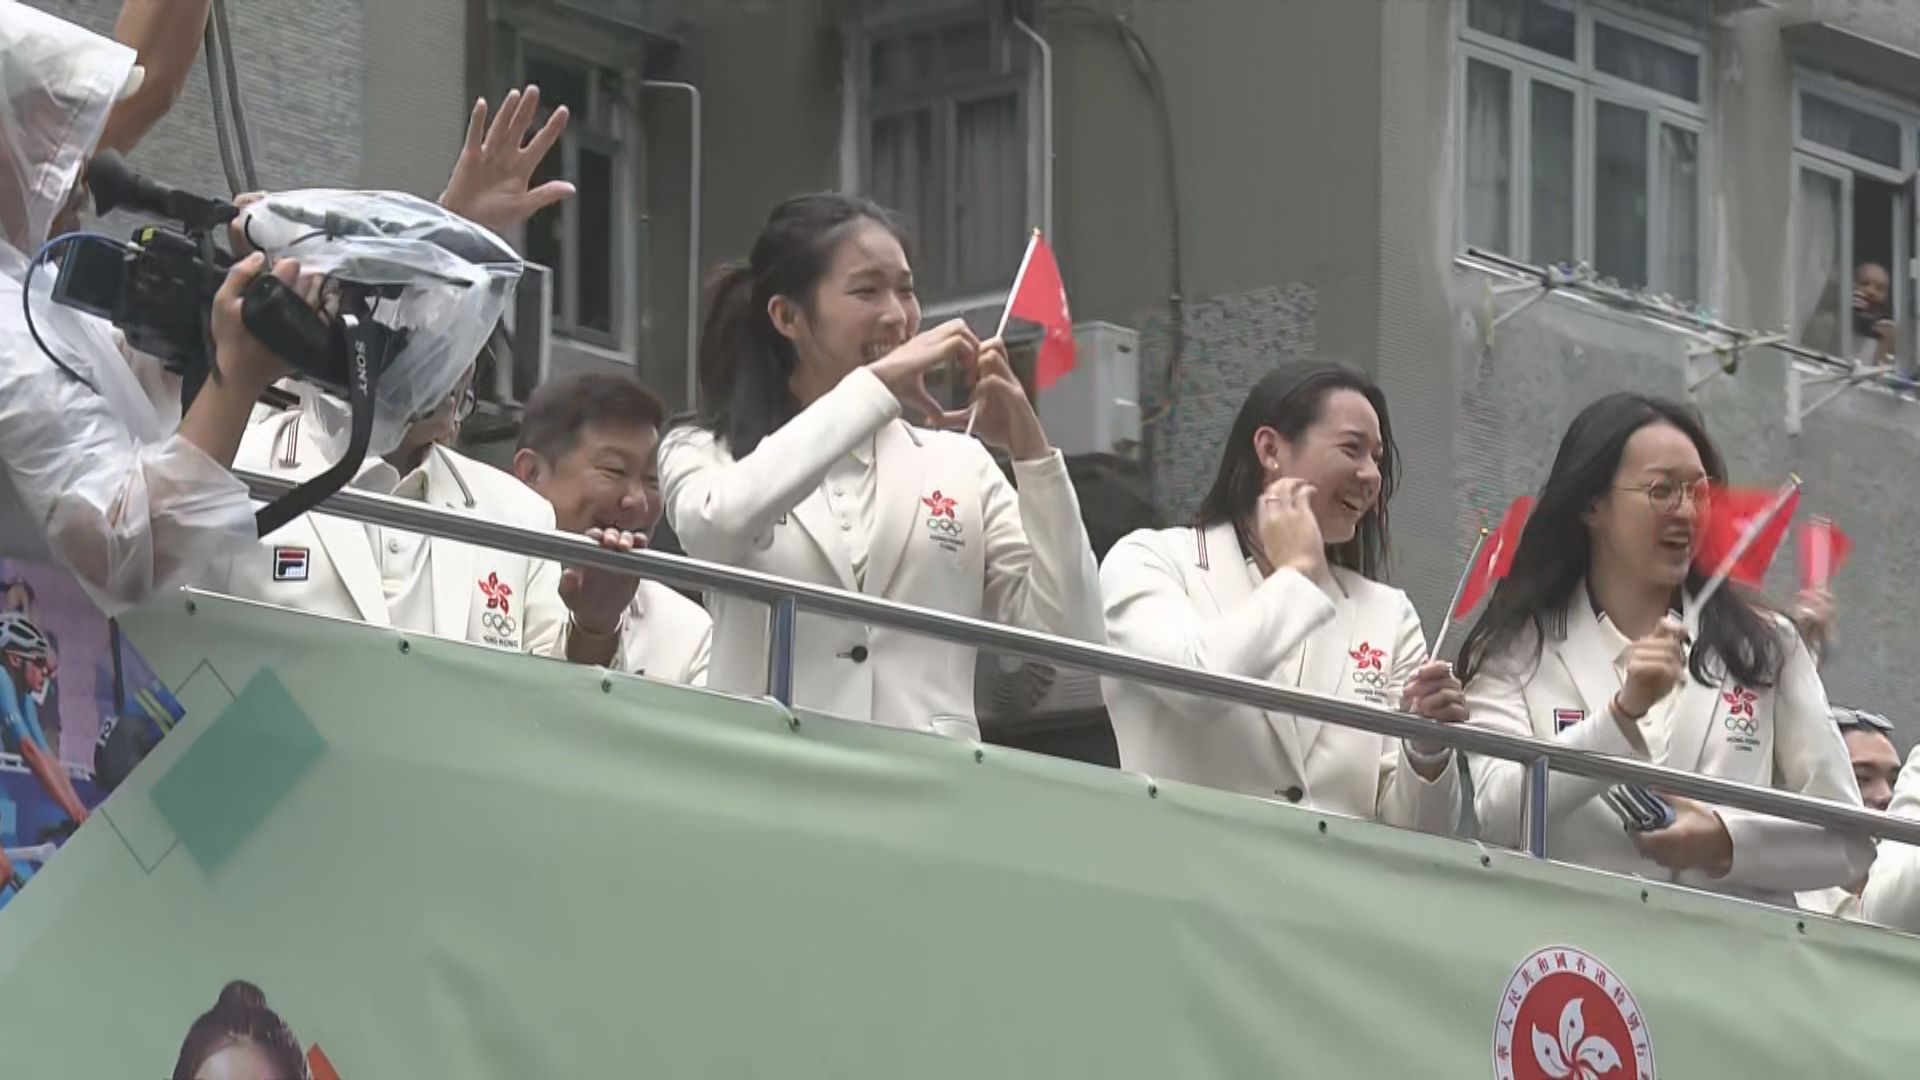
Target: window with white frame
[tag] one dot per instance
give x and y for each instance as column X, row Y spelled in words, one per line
column 1852, row 229
column 944, row 104
column 584, row 240
column 1584, row 138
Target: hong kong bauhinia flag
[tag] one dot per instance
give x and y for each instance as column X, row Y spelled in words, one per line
column 1731, row 513
column 1040, row 297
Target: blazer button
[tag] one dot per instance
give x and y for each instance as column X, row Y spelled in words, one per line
column 1293, row 794
column 857, row 654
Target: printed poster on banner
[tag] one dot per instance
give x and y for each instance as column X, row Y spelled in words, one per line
column 243, row 1038
column 79, row 708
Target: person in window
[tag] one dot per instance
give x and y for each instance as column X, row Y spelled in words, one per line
column 1279, row 579
column 1579, row 645
column 802, row 467
column 1875, row 335
column 587, row 445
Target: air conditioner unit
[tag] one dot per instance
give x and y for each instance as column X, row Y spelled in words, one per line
column 1096, row 408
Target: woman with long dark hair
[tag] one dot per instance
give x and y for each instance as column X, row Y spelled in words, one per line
column 240, row 1038
column 1279, row 578
column 800, row 465
column 1580, row 644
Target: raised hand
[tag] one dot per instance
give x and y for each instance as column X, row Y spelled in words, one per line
column 904, row 370
column 489, row 182
column 998, row 408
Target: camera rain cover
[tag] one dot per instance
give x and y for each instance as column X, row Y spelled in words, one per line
column 438, row 280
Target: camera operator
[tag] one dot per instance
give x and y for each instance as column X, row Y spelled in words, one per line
column 95, row 473
column 390, row 577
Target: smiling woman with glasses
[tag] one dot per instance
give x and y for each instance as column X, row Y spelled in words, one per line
column 1582, row 644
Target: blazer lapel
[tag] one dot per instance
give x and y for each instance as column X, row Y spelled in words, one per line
column 1689, row 714
column 1228, row 578
column 816, row 520
column 351, row 554
column 900, row 464
column 451, row 562
column 1329, row 656
column 1588, row 655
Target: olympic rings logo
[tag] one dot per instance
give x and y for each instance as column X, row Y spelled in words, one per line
column 504, row 625
column 944, row 526
column 1376, row 679
column 1742, row 725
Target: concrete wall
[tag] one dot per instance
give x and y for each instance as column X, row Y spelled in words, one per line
column 416, row 94
column 769, row 76
column 1415, row 205
column 1272, row 105
column 302, row 70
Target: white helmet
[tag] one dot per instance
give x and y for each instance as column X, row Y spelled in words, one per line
column 19, row 635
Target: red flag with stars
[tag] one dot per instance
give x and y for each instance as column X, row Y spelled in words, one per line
column 1040, row 297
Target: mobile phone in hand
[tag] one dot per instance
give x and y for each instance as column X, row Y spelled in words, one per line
column 1638, row 809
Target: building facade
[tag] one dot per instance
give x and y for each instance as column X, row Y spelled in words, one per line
column 1241, row 182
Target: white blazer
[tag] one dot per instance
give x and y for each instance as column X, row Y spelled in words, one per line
column 1189, row 596
column 667, row 636
column 325, row 565
column 1779, row 737
column 949, row 533
column 1892, row 894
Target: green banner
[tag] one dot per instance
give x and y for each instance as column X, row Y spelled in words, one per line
column 435, row 860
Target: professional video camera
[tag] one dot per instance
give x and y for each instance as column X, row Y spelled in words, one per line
column 159, row 289
column 410, row 294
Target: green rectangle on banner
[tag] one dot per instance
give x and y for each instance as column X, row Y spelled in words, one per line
column 237, row 771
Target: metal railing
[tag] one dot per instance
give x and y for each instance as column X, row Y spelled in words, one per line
column 787, row 598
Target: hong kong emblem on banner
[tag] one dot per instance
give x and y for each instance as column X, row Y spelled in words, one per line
column 1567, row 1016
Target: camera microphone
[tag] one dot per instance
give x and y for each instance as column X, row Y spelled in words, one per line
column 114, row 185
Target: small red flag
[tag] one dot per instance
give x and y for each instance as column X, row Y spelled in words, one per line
column 1040, row 297
column 1496, row 556
column 1730, row 511
column 1823, row 551
column 318, row 1066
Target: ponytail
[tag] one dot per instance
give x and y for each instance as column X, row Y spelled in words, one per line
column 746, row 365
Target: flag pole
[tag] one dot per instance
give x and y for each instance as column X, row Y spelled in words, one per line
column 1747, row 537
column 1459, row 589
column 973, row 411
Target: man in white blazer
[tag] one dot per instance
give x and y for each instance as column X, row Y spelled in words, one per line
column 1779, row 737
column 587, row 445
column 1890, row 893
column 386, row 577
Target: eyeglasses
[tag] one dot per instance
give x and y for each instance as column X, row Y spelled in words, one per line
column 465, row 406
column 1856, row 719
column 1668, row 496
